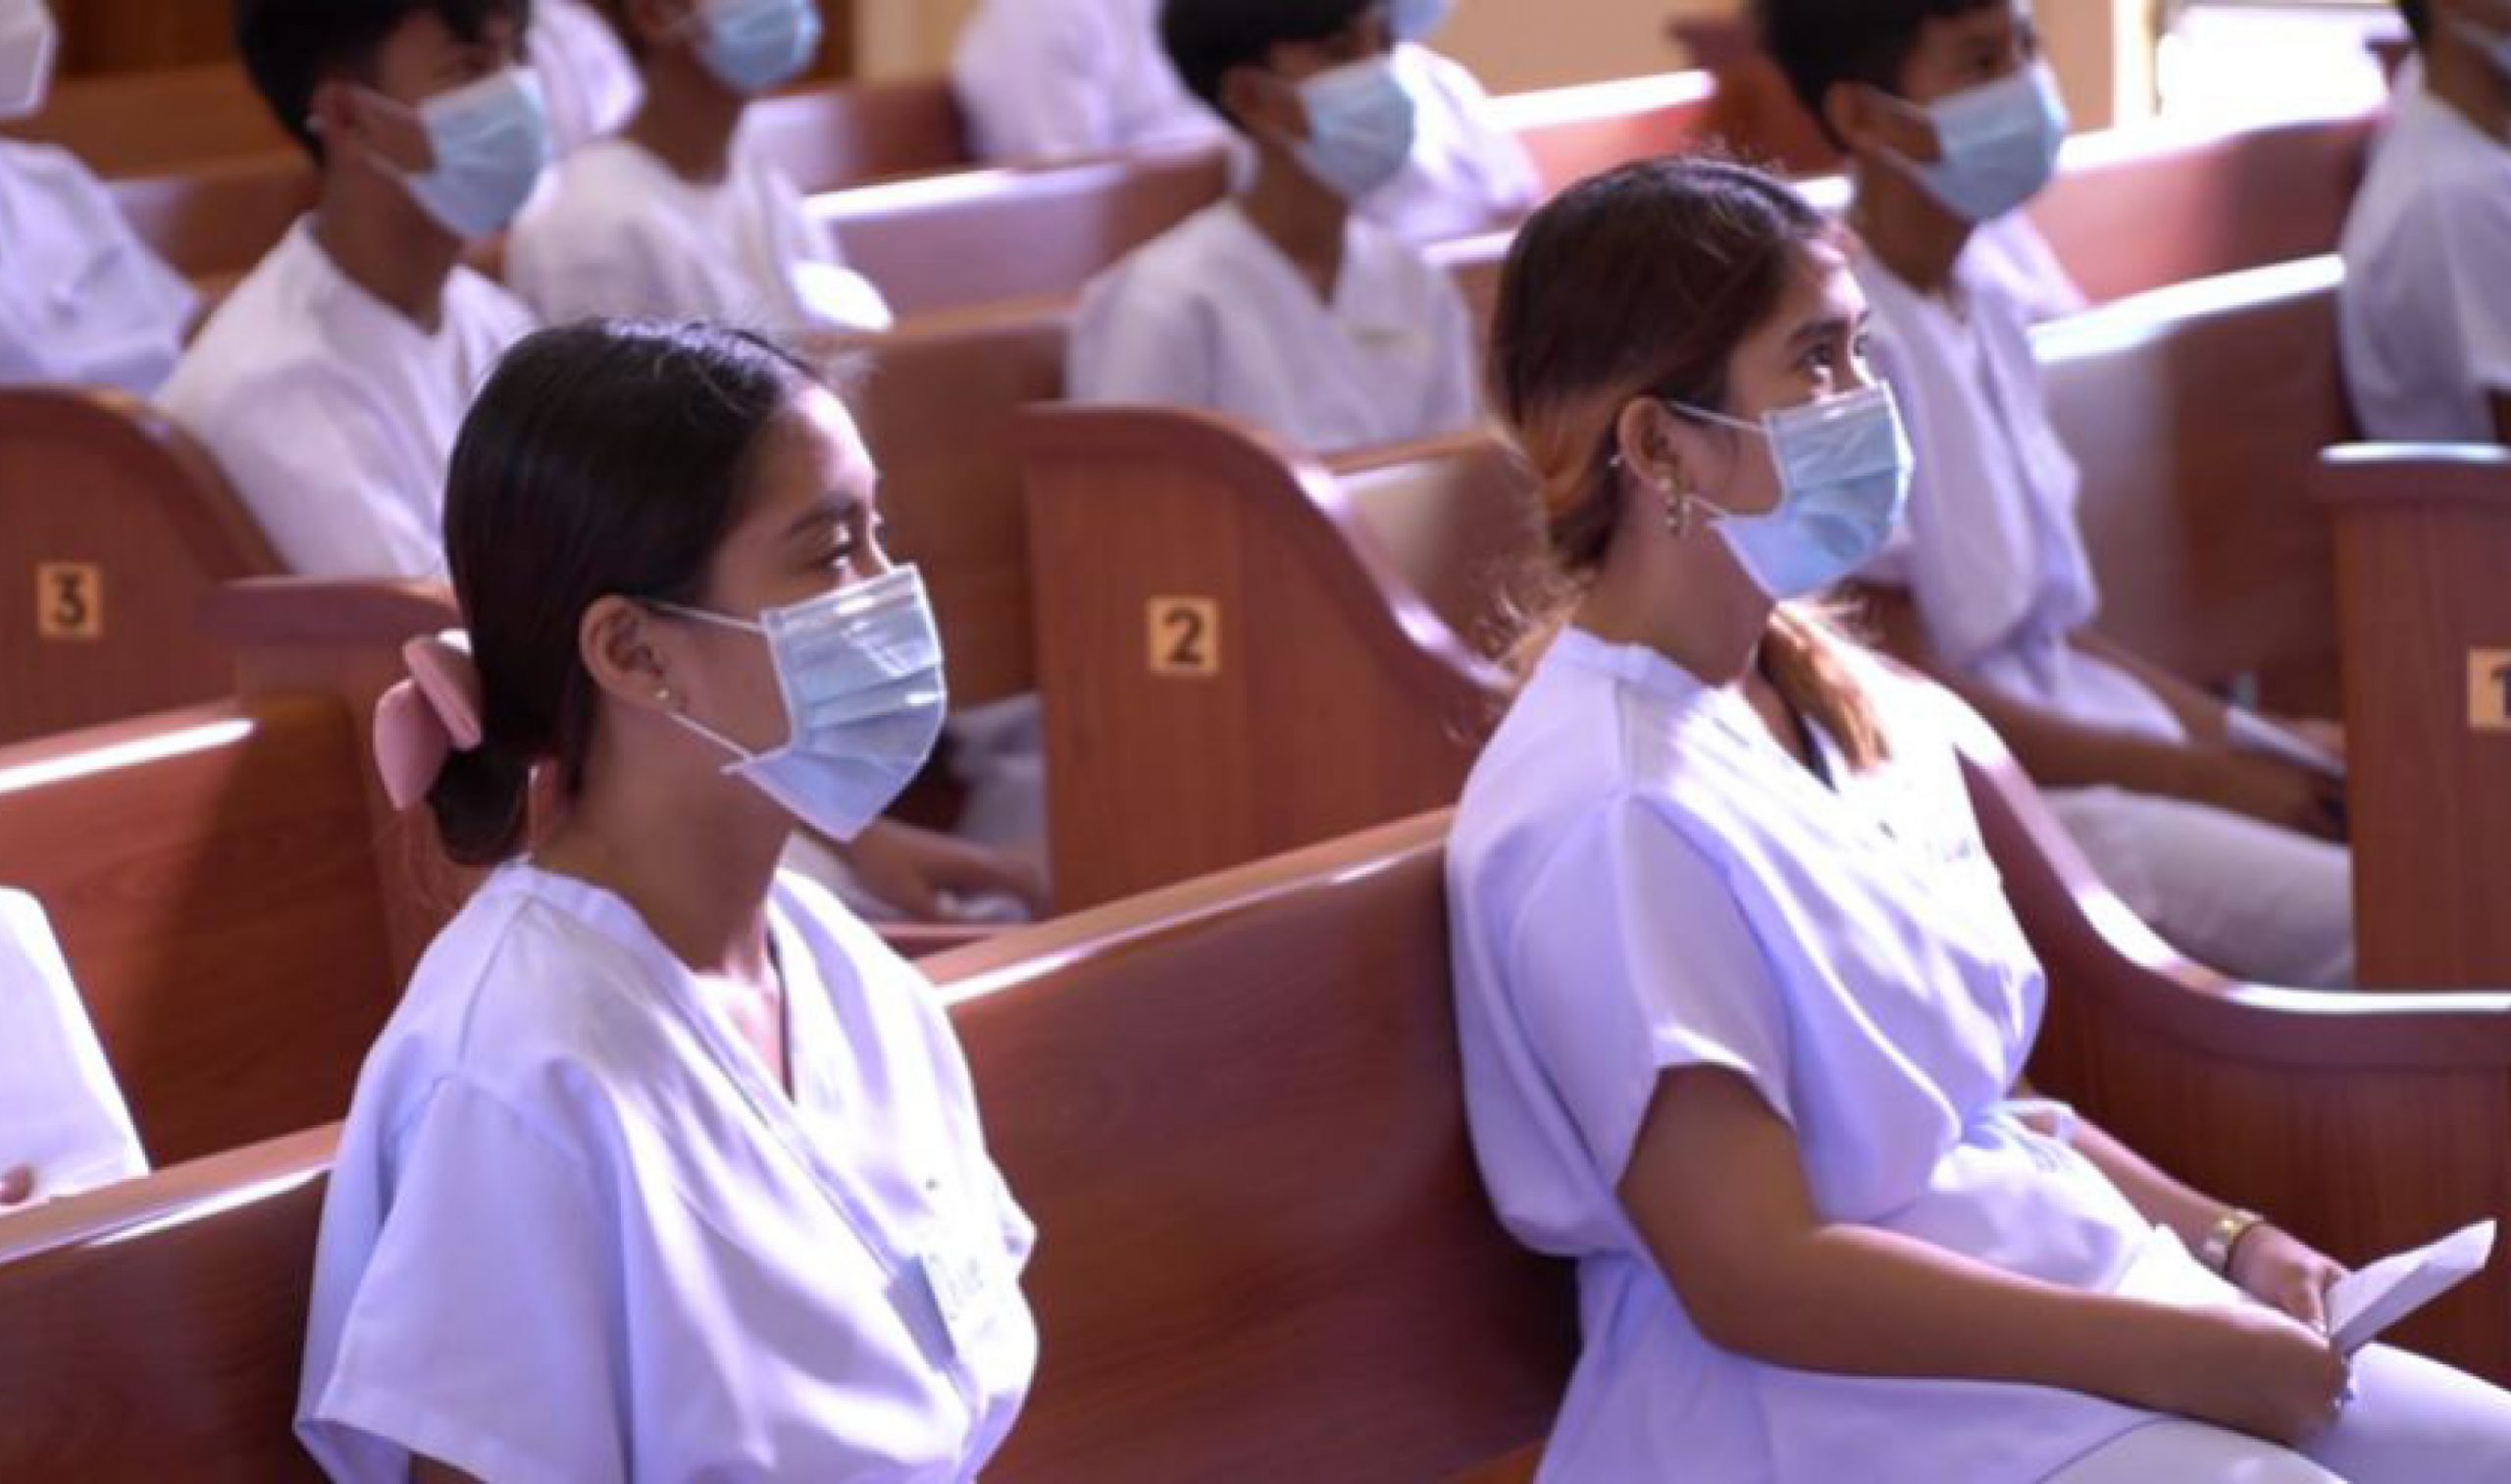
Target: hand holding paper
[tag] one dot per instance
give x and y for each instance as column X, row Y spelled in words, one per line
column 2364, row 1304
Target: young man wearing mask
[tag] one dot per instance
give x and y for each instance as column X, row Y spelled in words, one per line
column 2427, row 305
column 679, row 218
column 82, row 300
column 2203, row 819
column 1043, row 80
column 331, row 383
column 1280, row 306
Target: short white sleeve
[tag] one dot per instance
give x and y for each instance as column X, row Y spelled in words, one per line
column 2474, row 248
column 1132, row 345
column 331, row 477
column 1631, row 959
column 491, row 1247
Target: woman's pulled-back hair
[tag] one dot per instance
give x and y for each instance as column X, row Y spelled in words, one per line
column 1643, row 283
column 602, row 459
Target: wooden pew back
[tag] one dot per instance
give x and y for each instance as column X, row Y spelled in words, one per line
column 211, row 875
column 1253, row 1266
column 1573, row 133
column 115, row 525
column 213, row 221
column 2197, row 414
column 2423, row 543
column 165, row 121
column 828, row 137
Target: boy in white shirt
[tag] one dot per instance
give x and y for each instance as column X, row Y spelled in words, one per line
column 680, row 217
column 332, row 383
column 2425, row 310
column 82, row 301
column 1043, row 79
column 589, row 78
column 2229, row 849
column 1281, row 307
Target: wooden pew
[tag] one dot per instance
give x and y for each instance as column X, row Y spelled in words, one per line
column 1268, row 1266
column 1252, row 1269
column 2198, row 413
column 213, row 879
column 1308, row 619
column 213, row 221
column 1573, row 133
column 165, row 121
column 115, row 523
column 2423, row 545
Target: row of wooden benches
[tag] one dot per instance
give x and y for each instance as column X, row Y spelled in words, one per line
column 1234, row 1109
column 123, row 525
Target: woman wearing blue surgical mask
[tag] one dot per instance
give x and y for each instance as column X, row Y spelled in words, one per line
column 681, row 215
column 1743, row 1011
column 666, row 1169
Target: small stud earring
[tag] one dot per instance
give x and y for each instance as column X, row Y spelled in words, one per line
column 662, row 694
column 1679, row 515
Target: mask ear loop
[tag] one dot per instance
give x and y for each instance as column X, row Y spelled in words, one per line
column 1684, row 510
column 741, row 757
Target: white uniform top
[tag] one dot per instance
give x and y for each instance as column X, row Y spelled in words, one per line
column 333, row 414
column 1642, row 879
column 618, row 232
column 2426, row 310
column 1213, row 316
column 2011, row 249
column 82, row 302
column 587, row 76
column 577, row 1232
column 1043, row 79
column 1990, row 552
column 60, row 1112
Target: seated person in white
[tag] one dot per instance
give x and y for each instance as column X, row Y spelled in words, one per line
column 331, row 384
column 1279, row 306
column 82, row 302
column 2426, row 310
column 2193, row 813
column 1742, row 1007
column 665, row 1167
column 585, row 75
column 1044, row 79
column 681, row 216
column 63, row 1125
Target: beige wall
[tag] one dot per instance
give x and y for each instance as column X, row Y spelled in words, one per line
column 1514, row 45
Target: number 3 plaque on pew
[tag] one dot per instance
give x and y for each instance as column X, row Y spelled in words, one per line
column 70, row 601
column 1185, row 638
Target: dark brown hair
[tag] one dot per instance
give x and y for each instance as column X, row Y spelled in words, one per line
column 602, row 459
column 1642, row 282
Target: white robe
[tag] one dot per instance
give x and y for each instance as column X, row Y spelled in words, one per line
column 333, row 414
column 1994, row 560
column 61, row 1113
column 83, row 301
column 589, row 79
column 577, row 1232
column 617, row 232
column 1213, row 316
column 2425, row 310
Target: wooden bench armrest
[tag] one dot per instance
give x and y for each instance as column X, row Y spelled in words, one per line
column 2355, row 475
column 171, row 1197
column 291, row 611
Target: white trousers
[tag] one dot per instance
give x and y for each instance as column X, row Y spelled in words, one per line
column 2254, row 900
column 2412, row 1421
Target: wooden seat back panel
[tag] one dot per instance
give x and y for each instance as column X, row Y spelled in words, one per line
column 827, row 139
column 115, row 525
column 211, row 877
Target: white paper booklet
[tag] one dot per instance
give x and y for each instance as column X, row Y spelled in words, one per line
column 2365, row 1304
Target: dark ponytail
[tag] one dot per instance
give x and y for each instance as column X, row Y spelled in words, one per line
column 604, row 458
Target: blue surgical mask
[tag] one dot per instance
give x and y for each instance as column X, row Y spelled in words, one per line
column 860, row 670
column 492, row 142
column 29, row 41
column 1359, row 127
column 1844, row 468
column 756, row 46
column 2000, row 143
column 1413, row 20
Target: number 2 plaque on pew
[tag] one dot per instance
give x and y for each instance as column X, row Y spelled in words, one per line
column 70, row 601
column 1185, row 638
column 2489, row 690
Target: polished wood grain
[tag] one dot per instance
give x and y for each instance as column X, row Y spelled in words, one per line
column 168, row 120
column 2423, row 554
column 211, row 878
column 1254, row 1266
column 98, row 479
column 2196, row 414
